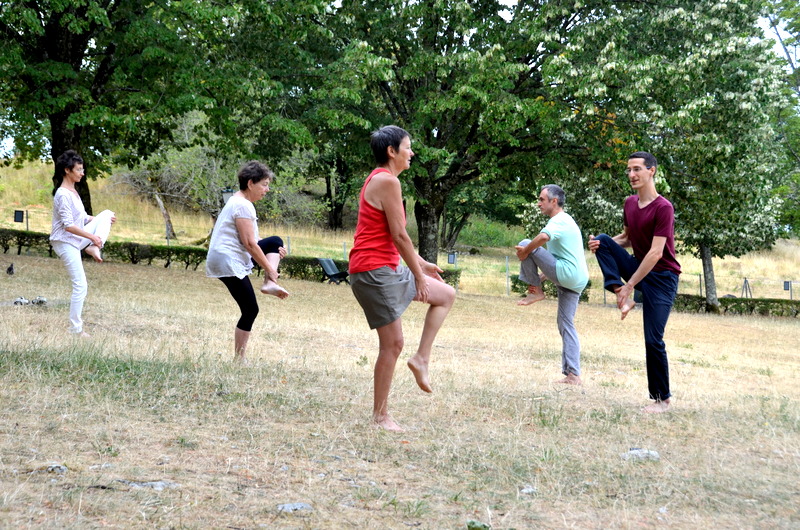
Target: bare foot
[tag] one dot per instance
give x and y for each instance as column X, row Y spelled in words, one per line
column 571, row 379
column 241, row 360
column 535, row 294
column 626, row 308
column 387, row 423
column 84, row 335
column 94, row 252
column 420, row 371
column 657, row 407
column 273, row 289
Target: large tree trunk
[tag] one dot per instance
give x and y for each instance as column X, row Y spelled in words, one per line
column 712, row 303
column 428, row 228
column 64, row 138
column 169, row 231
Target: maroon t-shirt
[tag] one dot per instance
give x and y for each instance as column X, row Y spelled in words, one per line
column 643, row 224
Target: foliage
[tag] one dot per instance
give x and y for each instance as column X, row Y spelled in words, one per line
column 98, row 76
column 740, row 306
column 295, row 267
column 784, row 18
column 549, row 288
column 699, row 89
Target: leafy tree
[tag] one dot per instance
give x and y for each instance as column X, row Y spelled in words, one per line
column 784, row 21
column 698, row 87
column 95, row 76
column 465, row 79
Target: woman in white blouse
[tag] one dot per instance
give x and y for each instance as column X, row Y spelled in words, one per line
column 74, row 230
column 235, row 246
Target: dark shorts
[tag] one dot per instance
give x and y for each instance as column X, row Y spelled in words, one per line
column 384, row 294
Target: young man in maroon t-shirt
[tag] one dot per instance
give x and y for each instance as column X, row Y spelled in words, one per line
column 648, row 228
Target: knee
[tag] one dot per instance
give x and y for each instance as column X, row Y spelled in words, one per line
column 393, row 346
column 523, row 243
column 604, row 239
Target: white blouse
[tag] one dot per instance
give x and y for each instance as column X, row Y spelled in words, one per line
column 226, row 254
column 68, row 210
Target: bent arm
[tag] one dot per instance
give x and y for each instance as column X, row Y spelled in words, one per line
column 247, row 237
column 536, row 242
column 650, row 260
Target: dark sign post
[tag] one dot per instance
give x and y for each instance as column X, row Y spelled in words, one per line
column 19, row 216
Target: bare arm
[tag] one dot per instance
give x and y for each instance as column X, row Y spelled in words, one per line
column 647, row 264
column 536, row 242
column 247, row 237
column 384, row 193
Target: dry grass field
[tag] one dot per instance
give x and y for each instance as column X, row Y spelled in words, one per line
column 153, row 396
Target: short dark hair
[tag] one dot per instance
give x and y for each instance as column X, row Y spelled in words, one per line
column 385, row 137
column 649, row 160
column 254, row 171
column 555, row 192
column 67, row 160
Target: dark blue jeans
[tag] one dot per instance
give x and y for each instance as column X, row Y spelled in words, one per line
column 658, row 292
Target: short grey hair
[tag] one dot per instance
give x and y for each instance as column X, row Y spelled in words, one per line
column 555, row 192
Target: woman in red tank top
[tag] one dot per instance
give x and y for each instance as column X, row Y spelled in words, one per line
column 383, row 287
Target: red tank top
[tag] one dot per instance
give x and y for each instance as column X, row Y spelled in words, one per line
column 373, row 247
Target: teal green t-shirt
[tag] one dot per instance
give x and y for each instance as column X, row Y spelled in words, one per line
column 566, row 245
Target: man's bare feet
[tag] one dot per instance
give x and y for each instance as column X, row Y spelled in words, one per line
column 535, row 294
column 94, row 252
column 571, row 379
column 657, row 407
column 83, row 335
column 626, row 308
column 273, row 289
column 387, row 423
column 420, row 370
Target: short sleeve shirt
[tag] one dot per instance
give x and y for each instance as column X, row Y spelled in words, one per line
column 566, row 245
column 226, row 254
column 657, row 219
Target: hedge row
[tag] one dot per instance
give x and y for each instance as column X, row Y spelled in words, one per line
column 549, row 288
column 295, row 267
column 690, row 303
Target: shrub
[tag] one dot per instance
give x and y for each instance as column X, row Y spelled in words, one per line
column 549, row 288
column 690, row 303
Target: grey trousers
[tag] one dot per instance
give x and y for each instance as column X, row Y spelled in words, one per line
column 541, row 260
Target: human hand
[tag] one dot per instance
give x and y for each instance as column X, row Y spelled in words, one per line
column 623, row 294
column 282, row 252
column 422, row 289
column 96, row 241
column 432, row 270
column 593, row 244
column 113, row 219
column 521, row 254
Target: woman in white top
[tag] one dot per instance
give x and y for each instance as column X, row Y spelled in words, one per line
column 235, row 246
column 74, row 230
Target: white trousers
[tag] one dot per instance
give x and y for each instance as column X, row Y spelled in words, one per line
column 99, row 226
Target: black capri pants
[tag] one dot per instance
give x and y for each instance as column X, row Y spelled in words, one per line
column 242, row 290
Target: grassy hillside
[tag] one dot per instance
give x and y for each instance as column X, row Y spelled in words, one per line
column 484, row 273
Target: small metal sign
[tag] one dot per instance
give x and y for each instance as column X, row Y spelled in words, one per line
column 451, row 258
column 787, row 286
column 19, row 216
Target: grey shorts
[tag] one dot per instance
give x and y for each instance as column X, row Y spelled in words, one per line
column 384, row 294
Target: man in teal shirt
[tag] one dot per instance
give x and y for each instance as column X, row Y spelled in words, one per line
column 563, row 263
